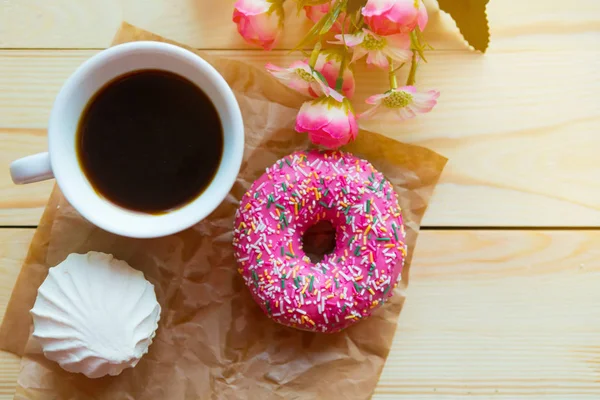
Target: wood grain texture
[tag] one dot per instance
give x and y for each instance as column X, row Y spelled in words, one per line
column 499, row 314
column 9, row 372
column 489, row 314
column 21, row 205
column 519, row 130
column 532, row 25
column 13, row 248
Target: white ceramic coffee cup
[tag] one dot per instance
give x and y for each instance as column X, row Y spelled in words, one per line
column 61, row 161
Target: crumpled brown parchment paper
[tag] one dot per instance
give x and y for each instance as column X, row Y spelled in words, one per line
column 213, row 342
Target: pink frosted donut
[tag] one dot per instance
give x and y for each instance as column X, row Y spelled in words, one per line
column 348, row 284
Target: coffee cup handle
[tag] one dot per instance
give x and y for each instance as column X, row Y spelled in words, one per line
column 31, row 169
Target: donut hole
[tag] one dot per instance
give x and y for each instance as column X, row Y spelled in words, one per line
column 319, row 241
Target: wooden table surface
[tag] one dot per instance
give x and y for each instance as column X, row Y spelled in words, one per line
column 504, row 299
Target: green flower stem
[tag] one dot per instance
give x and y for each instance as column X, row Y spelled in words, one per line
column 392, row 75
column 413, row 70
column 339, row 84
column 315, row 54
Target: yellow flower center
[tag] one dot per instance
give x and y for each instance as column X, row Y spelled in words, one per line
column 372, row 43
column 304, row 75
column 417, row 4
column 398, row 99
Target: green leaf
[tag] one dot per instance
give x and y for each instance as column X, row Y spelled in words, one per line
column 312, row 34
column 321, row 77
column 471, row 18
column 277, row 8
column 332, row 17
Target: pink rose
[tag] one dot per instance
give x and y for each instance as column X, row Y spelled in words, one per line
column 259, row 21
column 328, row 120
column 328, row 64
column 389, row 17
column 315, row 13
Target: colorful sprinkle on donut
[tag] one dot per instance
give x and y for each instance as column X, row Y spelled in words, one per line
column 347, row 285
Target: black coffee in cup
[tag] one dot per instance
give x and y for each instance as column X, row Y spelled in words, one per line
column 150, row 141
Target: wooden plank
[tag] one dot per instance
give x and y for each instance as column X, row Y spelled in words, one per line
column 489, row 314
column 499, row 314
column 13, row 248
column 14, row 244
column 519, row 130
column 531, row 25
column 9, row 371
column 21, row 205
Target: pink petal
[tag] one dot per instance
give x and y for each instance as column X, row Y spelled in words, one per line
column 260, row 29
column 316, row 89
column 377, row 7
column 434, row 94
column 300, row 64
column 350, row 40
column 370, row 32
column 252, row 7
column 409, row 89
column 330, row 70
column 353, row 126
column 385, row 20
column 338, row 128
column 405, row 113
column 399, row 41
column 321, row 138
column 315, row 13
column 312, row 117
column 274, row 68
column 422, row 17
column 370, row 113
column 266, row 26
column 290, row 78
column 283, row 75
column 377, row 58
column 376, row 99
column 301, row 86
column 335, row 95
column 421, row 108
column 404, row 14
column 358, row 53
column 384, row 27
column 349, row 85
column 424, row 102
column 431, row 95
column 399, row 55
column 328, row 123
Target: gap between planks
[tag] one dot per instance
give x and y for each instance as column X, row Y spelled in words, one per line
column 445, row 228
column 508, row 162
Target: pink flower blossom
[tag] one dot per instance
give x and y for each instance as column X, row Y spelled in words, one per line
column 403, row 103
column 315, row 13
column 377, row 48
column 328, row 120
column 328, row 64
column 300, row 77
column 388, row 17
column 259, row 21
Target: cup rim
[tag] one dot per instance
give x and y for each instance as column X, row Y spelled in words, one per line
column 164, row 225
